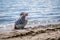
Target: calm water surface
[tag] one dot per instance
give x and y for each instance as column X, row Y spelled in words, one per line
column 39, row 10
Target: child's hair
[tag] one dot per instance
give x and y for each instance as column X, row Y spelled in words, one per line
column 22, row 13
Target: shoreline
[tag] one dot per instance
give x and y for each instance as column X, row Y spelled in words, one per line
column 33, row 33
column 10, row 27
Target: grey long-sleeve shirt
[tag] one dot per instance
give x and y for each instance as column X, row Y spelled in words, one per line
column 21, row 21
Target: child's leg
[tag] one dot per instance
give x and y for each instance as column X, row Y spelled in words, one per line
column 19, row 27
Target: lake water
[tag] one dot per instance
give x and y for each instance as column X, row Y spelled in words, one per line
column 39, row 10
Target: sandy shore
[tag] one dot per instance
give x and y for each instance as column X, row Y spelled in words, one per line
column 48, row 32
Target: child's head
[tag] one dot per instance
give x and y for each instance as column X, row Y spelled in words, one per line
column 24, row 14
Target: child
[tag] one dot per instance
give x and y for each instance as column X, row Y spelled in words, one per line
column 21, row 22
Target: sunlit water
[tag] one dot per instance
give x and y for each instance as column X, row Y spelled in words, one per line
column 43, row 11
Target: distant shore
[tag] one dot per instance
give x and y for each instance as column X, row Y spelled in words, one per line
column 47, row 32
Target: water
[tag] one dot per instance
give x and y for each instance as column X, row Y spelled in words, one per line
column 39, row 10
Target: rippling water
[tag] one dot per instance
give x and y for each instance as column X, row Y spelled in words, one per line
column 40, row 10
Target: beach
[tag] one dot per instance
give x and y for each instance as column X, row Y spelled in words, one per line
column 47, row 32
column 43, row 19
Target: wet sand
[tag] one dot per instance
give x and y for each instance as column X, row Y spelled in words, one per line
column 47, row 32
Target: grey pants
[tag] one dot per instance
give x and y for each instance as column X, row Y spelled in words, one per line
column 19, row 26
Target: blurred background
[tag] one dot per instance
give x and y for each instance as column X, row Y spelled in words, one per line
column 39, row 10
